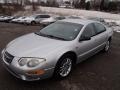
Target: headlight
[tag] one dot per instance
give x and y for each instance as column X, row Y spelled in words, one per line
column 23, row 61
column 30, row 62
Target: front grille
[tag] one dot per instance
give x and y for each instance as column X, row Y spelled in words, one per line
column 8, row 57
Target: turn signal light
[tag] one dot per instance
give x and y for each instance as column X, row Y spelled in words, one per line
column 36, row 72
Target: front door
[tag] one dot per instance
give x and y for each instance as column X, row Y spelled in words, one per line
column 86, row 48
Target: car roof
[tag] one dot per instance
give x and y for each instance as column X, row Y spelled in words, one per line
column 40, row 14
column 79, row 21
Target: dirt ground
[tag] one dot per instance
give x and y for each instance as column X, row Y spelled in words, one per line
column 100, row 72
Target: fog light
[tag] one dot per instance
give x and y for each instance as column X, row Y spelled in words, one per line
column 36, row 72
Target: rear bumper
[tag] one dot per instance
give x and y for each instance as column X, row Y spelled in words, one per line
column 21, row 74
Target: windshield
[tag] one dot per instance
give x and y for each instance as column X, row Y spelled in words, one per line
column 62, row 30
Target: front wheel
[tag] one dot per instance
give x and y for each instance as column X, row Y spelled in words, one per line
column 107, row 46
column 63, row 67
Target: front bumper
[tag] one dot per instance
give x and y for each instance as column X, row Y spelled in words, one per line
column 25, row 77
column 22, row 74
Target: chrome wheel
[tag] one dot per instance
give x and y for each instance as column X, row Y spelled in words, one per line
column 107, row 46
column 65, row 67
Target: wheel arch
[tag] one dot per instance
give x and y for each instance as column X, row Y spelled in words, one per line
column 72, row 54
column 33, row 21
column 110, row 38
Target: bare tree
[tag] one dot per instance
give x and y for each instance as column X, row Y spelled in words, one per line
column 34, row 7
column 39, row 2
column 6, row 1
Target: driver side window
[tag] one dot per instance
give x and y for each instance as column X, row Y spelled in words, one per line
column 89, row 31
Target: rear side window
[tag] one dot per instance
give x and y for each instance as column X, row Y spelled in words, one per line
column 89, row 31
column 45, row 16
column 99, row 28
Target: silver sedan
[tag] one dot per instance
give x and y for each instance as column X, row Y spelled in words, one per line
column 54, row 50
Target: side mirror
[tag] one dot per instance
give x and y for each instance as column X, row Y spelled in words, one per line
column 85, row 38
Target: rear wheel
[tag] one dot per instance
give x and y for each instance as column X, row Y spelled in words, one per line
column 63, row 67
column 33, row 23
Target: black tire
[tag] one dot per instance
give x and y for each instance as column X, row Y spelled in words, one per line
column 33, row 23
column 107, row 46
column 60, row 63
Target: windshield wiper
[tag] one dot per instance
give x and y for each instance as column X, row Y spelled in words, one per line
column 50, row 36
column 37, row 33
column 41, row 34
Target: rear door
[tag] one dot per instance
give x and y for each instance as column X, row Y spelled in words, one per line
column 101, row 36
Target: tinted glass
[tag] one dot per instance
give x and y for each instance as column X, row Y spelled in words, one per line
column 99, row 28
column 89, row 31
column 44, row 16
column 59, row 18
column 65, row 30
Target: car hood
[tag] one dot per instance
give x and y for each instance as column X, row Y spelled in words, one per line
column 33, row 45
